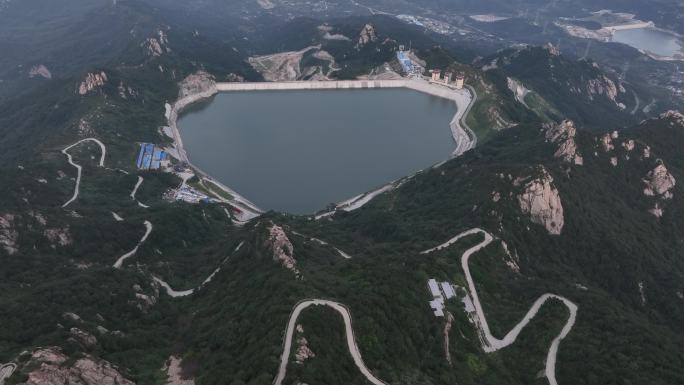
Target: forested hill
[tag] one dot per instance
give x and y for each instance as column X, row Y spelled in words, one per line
column 120, row 282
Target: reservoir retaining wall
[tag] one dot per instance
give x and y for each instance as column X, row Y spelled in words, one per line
column 439, row 90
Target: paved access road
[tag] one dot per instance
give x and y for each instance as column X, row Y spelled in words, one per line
column 351, row 341
column 79, row 169
column 491, row 343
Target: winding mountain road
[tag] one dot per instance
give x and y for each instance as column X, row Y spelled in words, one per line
column 491, row 343
column 184, row 293
column 351, row 341
column 79, row 169
column 6, row 371
column 119, row 262
column 136, row 187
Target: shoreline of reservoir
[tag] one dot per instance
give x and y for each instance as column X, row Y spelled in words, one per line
column 464, row 138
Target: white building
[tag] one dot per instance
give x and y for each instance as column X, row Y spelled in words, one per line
column 438, row 306
column 437, row 303
column 434, row 288
column 448, row 290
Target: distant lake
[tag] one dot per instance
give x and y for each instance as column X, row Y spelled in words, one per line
column 652, row 40
column 298, row 151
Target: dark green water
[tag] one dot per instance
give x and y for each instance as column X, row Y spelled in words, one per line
column 298, row 151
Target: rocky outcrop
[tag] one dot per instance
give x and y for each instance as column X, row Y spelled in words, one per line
column 265, row 4
column 606, row 141
column 58, row 237
column 84, row 338
column 285, row 66
column 40, row 70
column 156, row 46
column 282, row 248
column 602, row 86
column 8, row 235
column 91, row 82
column 303, row 351
column 541, row 202
column 72, row 317
column 174, row 372
column 563, row 135
column 518, row 89
column 367, row 35
column 629, row 145
column 126, row 91
column 675, row 116
column 656, row 211
column 52, row 368
column 659, row 182
column 200, row 82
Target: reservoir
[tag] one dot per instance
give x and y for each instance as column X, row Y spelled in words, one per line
column 299, row 151
column 651, row 40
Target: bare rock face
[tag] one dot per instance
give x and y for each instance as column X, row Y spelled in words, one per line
column 563, row 134
column 541, row 201
column 84, row 338
column 50, row 370
column 58, row 237
column 91, row 82
column 126, row 91
column 676, row 116
column 72, row 317
column 367, row 35
column 174, row 373
column 282, row 248
column 659, row 182
column 156, row 46
column 265, row 4
column 8, row 235
column 197, row 83
column 303, row 351
column 657, row 211
column 40, row 70
column 602, row 86
column 518, row 89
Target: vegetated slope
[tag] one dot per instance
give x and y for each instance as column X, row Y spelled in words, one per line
column 578, row 88
column 615, row 259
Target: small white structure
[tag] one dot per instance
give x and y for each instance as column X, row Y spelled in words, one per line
column 436, row 75
column 437, row 303
column 434, row 288
column 438, row 306
column 448, row 290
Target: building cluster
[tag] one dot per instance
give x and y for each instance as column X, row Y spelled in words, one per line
column 190, row 195
column 409, row 66
column 440, row 293
column 457, row 80
column 151, row 157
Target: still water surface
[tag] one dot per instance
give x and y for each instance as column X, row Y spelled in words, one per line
column 298, row 151
column 652, row 40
